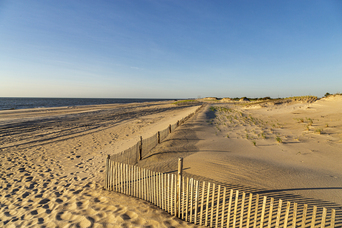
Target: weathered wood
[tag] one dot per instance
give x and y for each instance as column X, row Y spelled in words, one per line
column 313, row 220
column 107, row 172
column 158, row 137
column 263, row 212
column 256, row 211
column 288, row 205
column 217, row 205
column 179, row 186
column 223, row 206
column 121, row 178
column 196, row 201
column 212, row 205
column 324, row 215
column 249, row 208
column 175, row 195
column 235, row 208
column 191, row 197
column 278, row 213
column 304, row 215
column 140, row 148
column 332, row 221
column 242, row 208
column 202, row 203
column 171, row 201
column 183, row 197
column 168, row 193
column 187, row 199
column 169, row 128
column 294, row 218
column 163, row 195
column 207, row 207
column 230, row 206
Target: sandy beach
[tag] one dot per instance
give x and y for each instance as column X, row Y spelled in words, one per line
column 53, row 159
column 52, row 163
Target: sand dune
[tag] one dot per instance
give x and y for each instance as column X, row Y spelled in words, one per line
column 274, row 150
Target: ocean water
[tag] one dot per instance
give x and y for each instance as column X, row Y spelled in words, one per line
column 7, row 103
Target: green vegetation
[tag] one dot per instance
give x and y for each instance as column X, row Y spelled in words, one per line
column 254, row 143
column 319, row 130
column 185, row 102
column 278, row 139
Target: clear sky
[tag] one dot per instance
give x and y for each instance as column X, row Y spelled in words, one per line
column 170, row 49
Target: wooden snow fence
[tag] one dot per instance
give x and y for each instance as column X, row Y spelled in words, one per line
column 208, row 204
column 143, row 147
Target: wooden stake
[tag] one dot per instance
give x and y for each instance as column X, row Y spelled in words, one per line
column 191, row 197
column 256, row 210
column 179, row 185
column 187, row 199
column 230, row 206
column 304, row 215
column 249, row 209
column 294, row 219
column 270, row 213
column 202, row 203
column 242, row 208
column 207, row 207
column 235, row 208
column 217, row 205
column 332, row 222
column 287, row 214
column 313, row 221
column 140, row 148
column 278, row 214
column 324, row 214
column 212, row 206
column 196, row 201
column 263, row 212
column 223, row 206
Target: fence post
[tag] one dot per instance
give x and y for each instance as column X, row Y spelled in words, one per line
column 140, row 148
column 158, row 136
column 107, row 171
column 170, row 128
column 178, row 123
column 179, row 187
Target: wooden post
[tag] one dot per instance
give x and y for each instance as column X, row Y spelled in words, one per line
column 177, row 123
column 242, row 208
column 217, row 205
column 170, row 128
column 140, row 149
column 202, row 202
column 263, row 212
column 158, row 136
column 235, row 208
column 107, row 171
column 179, row 186
column 223, row 206
column 287, row 212
column 270, row 213
column 313, row 220
column 332, row 221
column 304, row 215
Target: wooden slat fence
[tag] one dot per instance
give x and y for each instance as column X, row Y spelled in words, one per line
column 208, row 204
column 142, row 148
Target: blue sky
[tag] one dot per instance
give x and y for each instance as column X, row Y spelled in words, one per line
column 170, row 49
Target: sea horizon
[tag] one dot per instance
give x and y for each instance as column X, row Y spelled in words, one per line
column 12, row 103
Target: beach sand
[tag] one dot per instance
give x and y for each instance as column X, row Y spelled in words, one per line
column 52, row 160
column 52, row 165
column 271, row 149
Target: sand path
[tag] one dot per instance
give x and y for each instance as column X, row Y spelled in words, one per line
column 237, row 146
